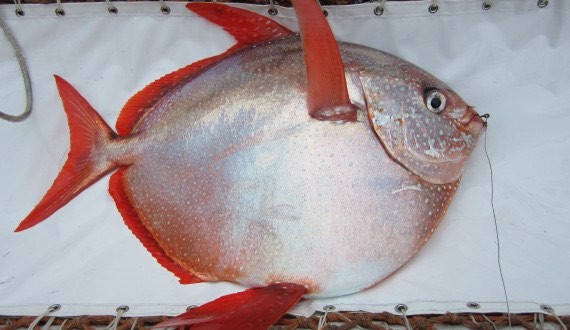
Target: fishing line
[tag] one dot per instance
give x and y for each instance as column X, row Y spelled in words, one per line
column 25, row 76
column 486, row 116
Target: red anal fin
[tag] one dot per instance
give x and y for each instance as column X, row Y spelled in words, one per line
column 247, row 27
column 253, row 309
column 327, row 92
column 117, row 190
column 88, row 133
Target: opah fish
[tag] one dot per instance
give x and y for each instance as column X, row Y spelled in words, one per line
column 289, row 164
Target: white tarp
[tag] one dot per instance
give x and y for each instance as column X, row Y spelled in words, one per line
column 512, row 61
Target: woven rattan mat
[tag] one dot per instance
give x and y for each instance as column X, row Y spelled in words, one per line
column 338, row 321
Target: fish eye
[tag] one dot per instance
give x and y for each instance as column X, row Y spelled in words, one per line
column 435, row 100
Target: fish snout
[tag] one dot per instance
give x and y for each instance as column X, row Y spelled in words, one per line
column 472, row 118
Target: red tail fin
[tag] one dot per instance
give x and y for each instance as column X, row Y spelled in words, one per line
column 88, row 132
column 253, row 309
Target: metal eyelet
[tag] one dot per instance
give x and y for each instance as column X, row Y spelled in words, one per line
column 542, row 3
column 486, row 5
column 329, row 308
column 401, row 308
column 547, row 308
column 378, row 11
column 123, row 308
column 473, row 305
column 113, row 10
column 60, row 12
column 54, row 308
column 433, row 8
column 326, row 13
column 20, row 12
column 165, row 10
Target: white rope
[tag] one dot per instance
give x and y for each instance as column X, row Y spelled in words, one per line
column 135, row 320
column 539, row 324
column 62, row 324
column 48, row 311
column 560, row 321
column 323, row 319
column 550, row 310
column 473, row 319
column 48, row 323
column 405, row 317
column 120, row 311
column 348, row 320
column 25, row 75
column 487, row 319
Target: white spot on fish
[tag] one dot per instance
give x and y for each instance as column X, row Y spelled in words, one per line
column 417, row 187
column 456, row 113
column 381, row 119
column 467, row 138
column 432, row 150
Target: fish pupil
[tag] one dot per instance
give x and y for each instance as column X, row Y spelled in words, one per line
column 435, row 102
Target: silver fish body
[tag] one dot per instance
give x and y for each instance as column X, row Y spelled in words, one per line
column 235, row 181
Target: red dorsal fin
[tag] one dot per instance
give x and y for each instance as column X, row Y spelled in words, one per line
column 142, row 101
column 247, row 27
column 253, row 309
column 117, row 190
column 88, row 133
column 327, row 92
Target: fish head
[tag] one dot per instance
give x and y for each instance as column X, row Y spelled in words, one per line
column 421, row 122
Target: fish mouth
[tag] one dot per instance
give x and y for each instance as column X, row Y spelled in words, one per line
column 471, row 120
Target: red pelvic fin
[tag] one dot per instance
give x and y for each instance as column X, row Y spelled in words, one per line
column 247, row 27
column 327, row 92
column 117, row 190
column 253, row 309
column 88, row 132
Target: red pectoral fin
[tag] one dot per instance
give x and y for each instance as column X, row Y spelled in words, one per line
column 327, row 92
column 253, row 309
